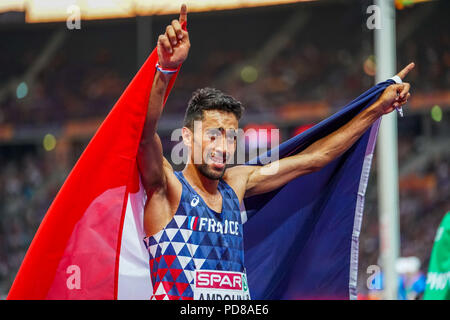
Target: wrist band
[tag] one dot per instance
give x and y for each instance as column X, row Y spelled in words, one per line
column 165, row 71
column 397, row 79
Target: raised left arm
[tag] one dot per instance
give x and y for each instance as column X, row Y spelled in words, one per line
column 266, row 178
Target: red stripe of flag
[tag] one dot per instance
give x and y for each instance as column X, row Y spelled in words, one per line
column 83, row 226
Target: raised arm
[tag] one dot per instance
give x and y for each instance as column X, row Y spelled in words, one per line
column 272, row 176
column 162, row 187
column 173, row 47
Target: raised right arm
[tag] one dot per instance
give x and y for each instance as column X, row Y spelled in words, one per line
column 173, row 48
column 160, row 183
column 150, row 154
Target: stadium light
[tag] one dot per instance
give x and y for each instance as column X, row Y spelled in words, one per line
column 59, row 10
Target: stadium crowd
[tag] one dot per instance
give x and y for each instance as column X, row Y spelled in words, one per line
column 424, row 200
column 84, row 79
column 28, row 184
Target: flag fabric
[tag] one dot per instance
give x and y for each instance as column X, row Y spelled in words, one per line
column 438, row 277
column 301, row 240
column 76, row 252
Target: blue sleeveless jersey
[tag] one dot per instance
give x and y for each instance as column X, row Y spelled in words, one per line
column 200, row 253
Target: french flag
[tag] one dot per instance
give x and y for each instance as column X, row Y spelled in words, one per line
column 301, row 241
column 192, row 223
column 89, row 244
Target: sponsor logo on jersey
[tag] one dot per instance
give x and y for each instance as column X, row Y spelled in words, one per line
column 219, row 280
column 220, row 285
column 195, row 200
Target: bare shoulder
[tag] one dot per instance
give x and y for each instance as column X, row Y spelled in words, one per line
column 237, row 178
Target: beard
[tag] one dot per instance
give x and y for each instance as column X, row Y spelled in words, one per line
column 209, row 172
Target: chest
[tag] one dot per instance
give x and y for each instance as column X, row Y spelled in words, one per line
column 211, row 201
column 216, row 209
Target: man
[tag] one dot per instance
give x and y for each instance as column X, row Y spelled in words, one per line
column 192, row 218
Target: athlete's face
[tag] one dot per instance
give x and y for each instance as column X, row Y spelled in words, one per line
column 213, row 142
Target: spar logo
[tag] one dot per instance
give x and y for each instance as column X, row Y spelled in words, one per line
column 220, row 285
column 219, row 280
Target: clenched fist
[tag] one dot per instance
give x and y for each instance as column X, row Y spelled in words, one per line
column 173, row 46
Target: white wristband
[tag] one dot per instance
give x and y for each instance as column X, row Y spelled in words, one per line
column 165, row 71
column 397, row 79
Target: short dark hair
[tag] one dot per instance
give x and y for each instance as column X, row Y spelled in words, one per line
column 210, row 99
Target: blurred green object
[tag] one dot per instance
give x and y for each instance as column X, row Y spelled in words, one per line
column 436, row 113
column 438, row 277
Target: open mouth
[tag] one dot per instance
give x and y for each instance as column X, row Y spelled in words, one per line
column 218, row 162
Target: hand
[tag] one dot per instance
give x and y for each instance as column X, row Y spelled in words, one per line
column 173, row 46
column 396, row 95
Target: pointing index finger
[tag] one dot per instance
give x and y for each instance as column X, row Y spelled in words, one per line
column 183, row 14
column 402, row 74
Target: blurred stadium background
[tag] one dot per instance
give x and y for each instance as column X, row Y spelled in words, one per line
column 290, row 64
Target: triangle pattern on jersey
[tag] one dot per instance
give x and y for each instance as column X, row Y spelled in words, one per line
column 202, row 251
column 176, row 264
column 162, row 272
column 185, row 251
column 225, row 255
column 213, row 254
column 158, row 252
column 182, row 278
column 163, row 246
column 169, row 259
column 186, row 234
column 175, row 273
column 213, row 237
column 164, row 237
column 159, row 289
column 149, row 241
column 168, row 277
column 181, row 287
column 179, row 220
column 173, row 291
column 199, row 263
column 167, row 285
column 178, row 237
column 188, row 292
column 172, row 224
column 177, row 246
column 193, row 248
column 158, row 235
column 162, row 264
column 171, row 232
column 209, row 264
column 206, row 241
column 184, row 261
column 169, row 250
column 196, row 237
column 152, row 250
